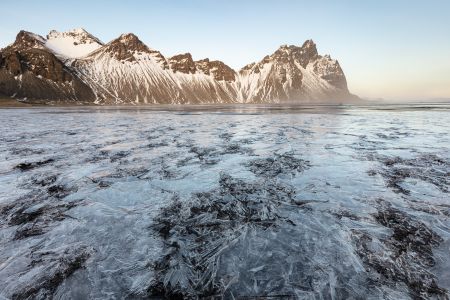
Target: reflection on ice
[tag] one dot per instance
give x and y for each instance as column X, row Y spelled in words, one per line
column 236, row 203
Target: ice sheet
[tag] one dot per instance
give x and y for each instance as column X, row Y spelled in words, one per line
column 235, row 202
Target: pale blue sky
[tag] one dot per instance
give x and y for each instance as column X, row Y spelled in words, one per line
column 396, row 49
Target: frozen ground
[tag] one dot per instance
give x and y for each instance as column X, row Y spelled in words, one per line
column 240, row 202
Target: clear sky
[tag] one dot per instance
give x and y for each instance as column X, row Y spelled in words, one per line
column 395, row 49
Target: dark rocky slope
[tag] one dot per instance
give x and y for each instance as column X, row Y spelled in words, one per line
column 29, row 70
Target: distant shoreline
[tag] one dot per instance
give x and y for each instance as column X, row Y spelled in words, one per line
column 14, row 103
column 8, row 102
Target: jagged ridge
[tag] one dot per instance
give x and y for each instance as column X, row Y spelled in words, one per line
column 76, row 66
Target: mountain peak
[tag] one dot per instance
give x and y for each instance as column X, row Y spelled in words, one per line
column 128, row 38
column 127, row 45
column 310, row 48
column 80, row 36
column 75, row 43
column 26, row 39
column 127, row 42
column 182, row 63
column 309, row 43
column 304, row 54
column 75, row 31
column 292, row 72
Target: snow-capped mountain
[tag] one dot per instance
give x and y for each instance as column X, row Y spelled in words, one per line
column 126, row 70
column 75, row 43
column 293, row 73
column 76, row 66
column 29, row 70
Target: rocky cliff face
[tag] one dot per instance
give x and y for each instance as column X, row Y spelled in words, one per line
column 28, row 69
column 183, row 63
column 76, row 66
column 126, row 46
column 293, row 73
column 217, row 69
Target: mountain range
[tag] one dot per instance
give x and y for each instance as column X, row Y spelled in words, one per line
column 77, row 67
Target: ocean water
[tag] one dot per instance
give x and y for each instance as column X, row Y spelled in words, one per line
column 237, row 202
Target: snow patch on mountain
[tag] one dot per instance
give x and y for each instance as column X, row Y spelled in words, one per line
column 75, row 43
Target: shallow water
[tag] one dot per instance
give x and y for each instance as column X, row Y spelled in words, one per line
column 238, row 201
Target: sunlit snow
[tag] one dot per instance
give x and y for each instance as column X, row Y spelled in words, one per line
column 72, row 44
